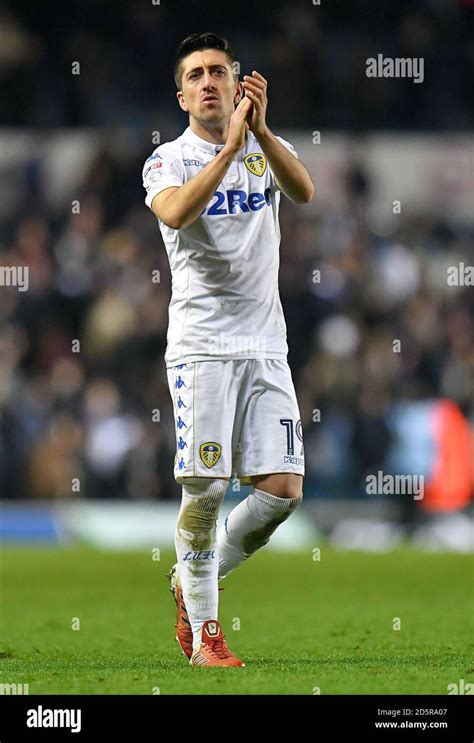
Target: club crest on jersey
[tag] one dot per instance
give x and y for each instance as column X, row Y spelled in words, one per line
column 256, row 163
column 210, row 453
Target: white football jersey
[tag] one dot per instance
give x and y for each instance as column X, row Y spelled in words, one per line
column 225, row 301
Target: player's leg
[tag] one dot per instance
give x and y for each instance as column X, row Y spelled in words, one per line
column 251, row 523
column 195, row 542
column 270, row 443
column 196, row 550
column 202, row 466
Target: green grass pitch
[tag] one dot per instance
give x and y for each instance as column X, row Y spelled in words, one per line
column 304, row 625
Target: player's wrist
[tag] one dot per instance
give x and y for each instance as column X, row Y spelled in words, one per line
column 263, row 135
column 229, row 151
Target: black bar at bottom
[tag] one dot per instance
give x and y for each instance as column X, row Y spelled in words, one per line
column 151, row 718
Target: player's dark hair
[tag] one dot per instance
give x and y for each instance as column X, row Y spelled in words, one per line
column 195, row 43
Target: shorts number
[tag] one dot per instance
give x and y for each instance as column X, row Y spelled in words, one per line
column 290, row 438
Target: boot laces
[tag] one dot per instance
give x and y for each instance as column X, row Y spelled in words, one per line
column 219, row 649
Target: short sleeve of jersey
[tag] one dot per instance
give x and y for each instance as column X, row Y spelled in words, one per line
column 291, row 149
column 163, row 169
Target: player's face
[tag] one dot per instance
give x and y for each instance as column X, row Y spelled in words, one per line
column 208, row 86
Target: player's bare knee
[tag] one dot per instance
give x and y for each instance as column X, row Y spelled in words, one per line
column 282, row 485
column 295, row 487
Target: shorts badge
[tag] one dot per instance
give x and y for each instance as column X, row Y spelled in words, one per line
column 210, row 453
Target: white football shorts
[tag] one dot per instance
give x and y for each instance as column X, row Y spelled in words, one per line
column 235, row 418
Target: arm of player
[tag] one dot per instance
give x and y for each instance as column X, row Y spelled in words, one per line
column 179, row 206
column 290, row 174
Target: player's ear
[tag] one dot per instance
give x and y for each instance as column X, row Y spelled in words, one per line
column 181, row 101
column 238, row 95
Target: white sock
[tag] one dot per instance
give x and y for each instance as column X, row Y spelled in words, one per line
column 196, row 550
column 249, row 526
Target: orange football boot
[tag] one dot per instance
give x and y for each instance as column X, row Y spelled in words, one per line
column 213, row 650
column 184, row 633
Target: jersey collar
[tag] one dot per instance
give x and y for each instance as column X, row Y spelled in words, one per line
column 203, row 144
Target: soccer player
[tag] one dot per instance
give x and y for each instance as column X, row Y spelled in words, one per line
column 215, row 191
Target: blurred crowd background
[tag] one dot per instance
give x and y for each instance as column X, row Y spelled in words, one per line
column 315, row 52
column 93, row 414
